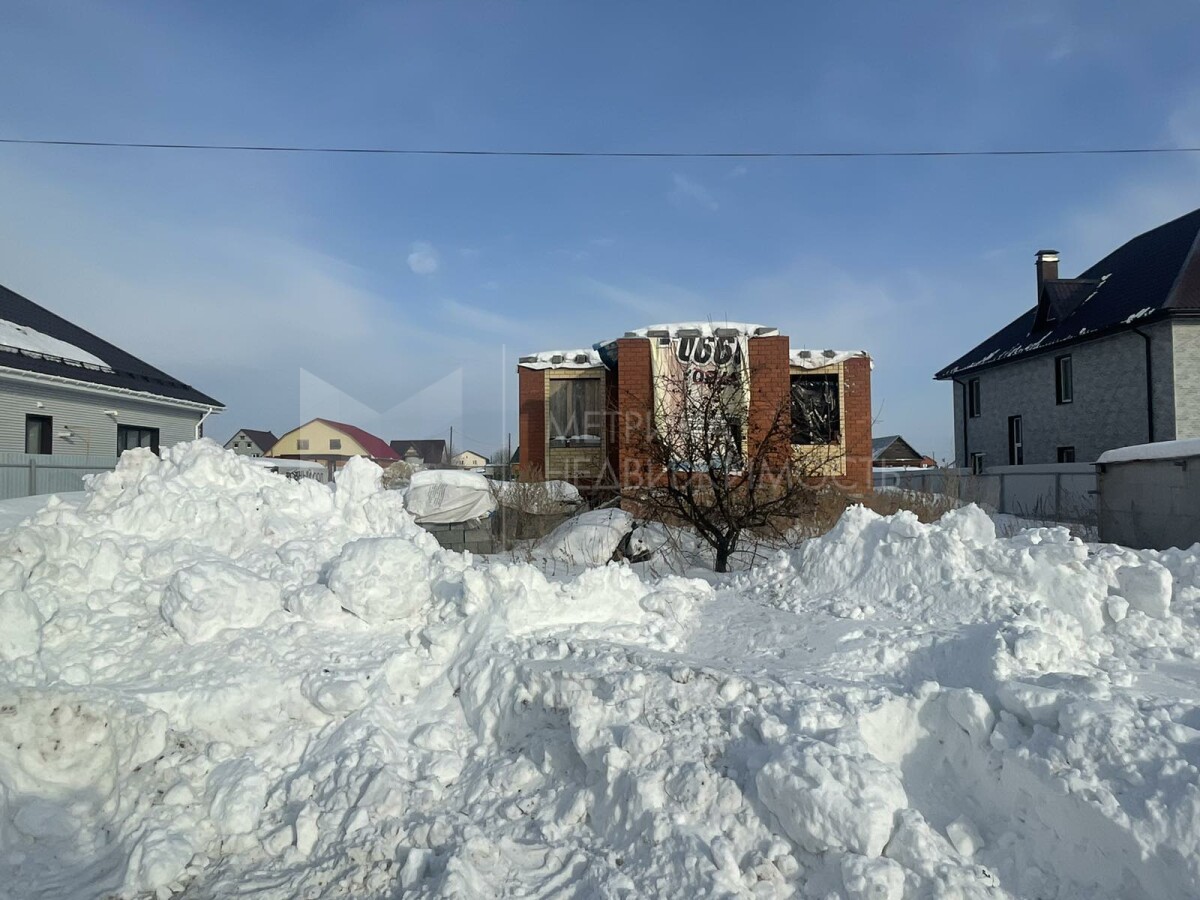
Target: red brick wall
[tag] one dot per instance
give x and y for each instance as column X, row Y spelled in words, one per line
column 857, row 414
column 770, row 398
column 635, row 399
column 531, row 384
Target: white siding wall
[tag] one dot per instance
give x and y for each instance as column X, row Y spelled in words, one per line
column 84, row 414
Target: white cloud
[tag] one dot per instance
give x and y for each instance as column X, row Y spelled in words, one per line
column 687, row 192
column 423, row 258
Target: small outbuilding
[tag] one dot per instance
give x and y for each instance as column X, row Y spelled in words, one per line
column 1149, row 495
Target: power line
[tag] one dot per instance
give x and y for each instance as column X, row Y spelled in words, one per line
column 609, row 154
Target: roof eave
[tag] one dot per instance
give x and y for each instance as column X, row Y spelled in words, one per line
column 1157, row 316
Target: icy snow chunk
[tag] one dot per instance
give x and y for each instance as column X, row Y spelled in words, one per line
column 157, row 859
column 357, row 480
column 964, row 836
column 21, row 631
column 383, row 579
column 1147, row 587
column 872, row 879
column 826, row 798
column 237, row 792
column 207, row 597
column 970, row 524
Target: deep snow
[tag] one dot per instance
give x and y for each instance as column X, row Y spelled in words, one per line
column 216, row 681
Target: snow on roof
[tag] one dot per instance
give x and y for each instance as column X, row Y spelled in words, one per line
column 1158, row 450
column 702, row 329
column 30, row 340
column 817, row 359
column 562, row 359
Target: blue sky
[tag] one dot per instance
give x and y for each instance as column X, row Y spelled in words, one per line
column 346, row 285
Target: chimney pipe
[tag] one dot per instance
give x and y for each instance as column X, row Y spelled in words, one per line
column 1047, row 268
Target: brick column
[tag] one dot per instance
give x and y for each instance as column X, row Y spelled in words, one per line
column 857, row 398
column 531, row 385
column 770, row 397
column 635, row 410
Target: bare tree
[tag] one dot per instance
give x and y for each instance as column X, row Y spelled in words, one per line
column 728, row 468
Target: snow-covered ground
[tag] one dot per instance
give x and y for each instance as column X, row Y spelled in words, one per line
column 215, row 681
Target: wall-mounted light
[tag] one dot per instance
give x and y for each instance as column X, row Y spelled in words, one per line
column 111, row 412
column 40, row 405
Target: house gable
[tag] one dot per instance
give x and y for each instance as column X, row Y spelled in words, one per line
column 1149, row 277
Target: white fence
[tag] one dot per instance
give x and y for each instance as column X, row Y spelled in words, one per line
column 1054, row 493
column 27, row 474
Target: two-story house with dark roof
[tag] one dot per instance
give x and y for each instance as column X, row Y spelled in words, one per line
column 251, row 442
column 1107, row 359
column 65, row 391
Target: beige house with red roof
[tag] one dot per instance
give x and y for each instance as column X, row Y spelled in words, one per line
column 332, row 443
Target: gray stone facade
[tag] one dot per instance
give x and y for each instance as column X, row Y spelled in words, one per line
column 1109, row 405
column 1186, row 360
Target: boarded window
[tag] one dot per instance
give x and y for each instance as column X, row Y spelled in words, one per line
column 816, row 410
column 576, row 412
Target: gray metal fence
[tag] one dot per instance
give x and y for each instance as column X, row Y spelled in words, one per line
column 1055, row 493
column 27, row 474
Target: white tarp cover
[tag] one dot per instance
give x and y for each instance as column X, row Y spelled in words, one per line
column 444, row 496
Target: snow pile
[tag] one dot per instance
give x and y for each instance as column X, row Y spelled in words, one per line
column 215, row 680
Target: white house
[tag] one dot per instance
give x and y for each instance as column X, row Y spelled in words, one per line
column 65, row 391
column 468, row 459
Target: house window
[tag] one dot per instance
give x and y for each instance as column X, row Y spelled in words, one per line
column 576, row 412
column 1064, row 381
column 974, row 407
column 38, row 434
column 1066, row 454
column 335, row 443
column 1016, row 442
column 131, row 436
column 816, row 409
column 976, row 463
column 301, row 443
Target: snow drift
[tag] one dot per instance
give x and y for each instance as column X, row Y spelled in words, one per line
column 215, row 680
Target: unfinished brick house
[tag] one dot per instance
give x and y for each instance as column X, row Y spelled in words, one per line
column 584, row 413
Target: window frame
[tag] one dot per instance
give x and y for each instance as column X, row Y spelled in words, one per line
column 301, row 444
column 45, row 435
column 335, row 443
column 974, row 399
column 584, row 426
column 977, row 463
column 833, row 416
column 151, row 433
column 1016, row 441
column 1064, row 387
column 1065, row 451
